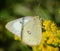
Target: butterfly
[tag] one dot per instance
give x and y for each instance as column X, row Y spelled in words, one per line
column 28, row 28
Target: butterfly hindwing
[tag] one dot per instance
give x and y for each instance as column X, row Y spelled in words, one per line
column 32, row 32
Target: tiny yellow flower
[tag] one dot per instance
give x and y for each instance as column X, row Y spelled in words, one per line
column 47, row 24
column 53, row 27
column 16, row 37
column 56, row 49
column 50, row 41
column 50, row 48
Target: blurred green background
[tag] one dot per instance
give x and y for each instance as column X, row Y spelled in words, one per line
column 13, row 9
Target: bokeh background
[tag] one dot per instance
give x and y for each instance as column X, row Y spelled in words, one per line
column 13, row 9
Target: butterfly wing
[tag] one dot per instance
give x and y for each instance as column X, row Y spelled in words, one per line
column 32, row 32
column 15, row 26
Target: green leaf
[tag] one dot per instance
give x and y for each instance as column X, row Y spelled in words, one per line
column 43, row 13
column 22, row 10
column 16, row 45
column 5, row 16
column 8, row 34
column 1, row 49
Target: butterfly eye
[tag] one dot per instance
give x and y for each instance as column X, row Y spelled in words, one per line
column 29, row 32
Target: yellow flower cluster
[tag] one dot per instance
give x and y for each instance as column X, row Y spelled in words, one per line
column 50, row 40
column 49, row 26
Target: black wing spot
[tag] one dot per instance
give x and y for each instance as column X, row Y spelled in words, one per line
column 29, row 32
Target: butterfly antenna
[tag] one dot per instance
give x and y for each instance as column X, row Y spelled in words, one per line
column 37, row 12
column 22, row 27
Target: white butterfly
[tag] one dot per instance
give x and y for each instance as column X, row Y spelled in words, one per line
column 29, row 29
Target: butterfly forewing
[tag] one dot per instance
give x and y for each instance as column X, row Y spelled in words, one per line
column 15, row 26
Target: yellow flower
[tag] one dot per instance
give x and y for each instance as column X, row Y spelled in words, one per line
column 50, row 41
column 42, row 47
column 58, row 34
column 56, row 49
column 16, row 37
column 47, row 24
column 58, row 31
column 55, row 41
column 49, row 48
column 53, row 27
